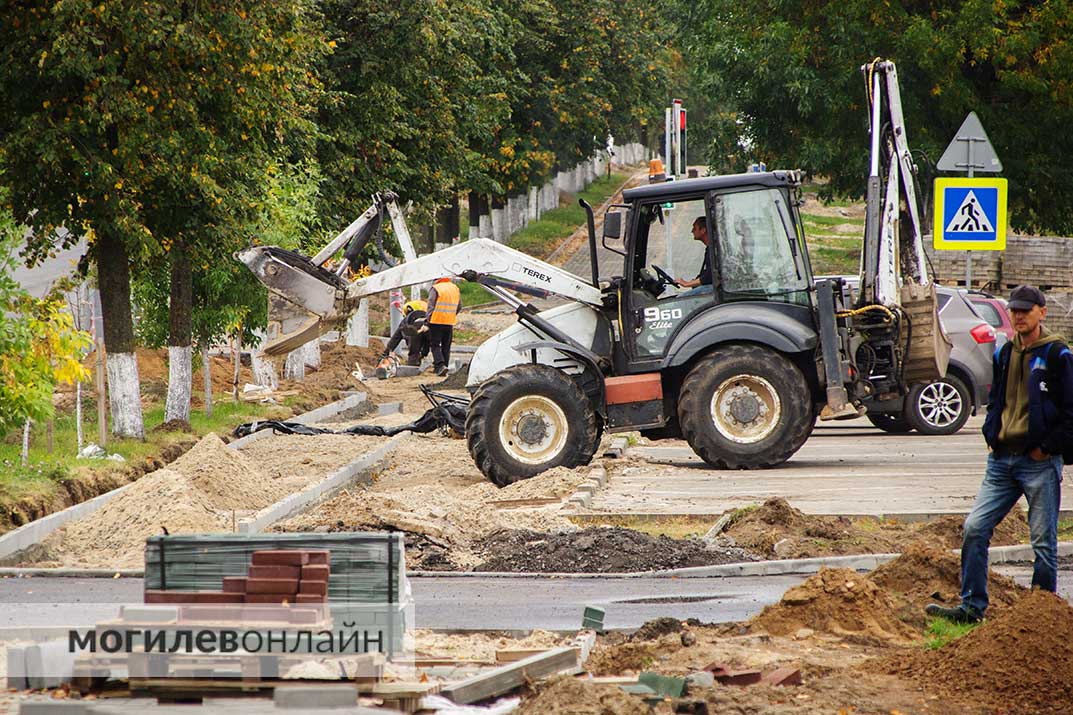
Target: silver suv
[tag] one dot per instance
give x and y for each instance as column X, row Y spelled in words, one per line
column 943, row 406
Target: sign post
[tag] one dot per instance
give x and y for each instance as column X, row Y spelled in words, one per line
column 971, row 151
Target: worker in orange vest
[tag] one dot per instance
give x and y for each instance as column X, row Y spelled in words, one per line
column 444, row 302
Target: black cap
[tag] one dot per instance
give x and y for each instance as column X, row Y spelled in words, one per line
column 1024, row 297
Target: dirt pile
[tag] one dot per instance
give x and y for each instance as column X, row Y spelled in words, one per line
column 596, row 550
column 228, row 478
column 778, row 530
column 569, row 696
column 194, row 494
column 948, row 531
column 1017, row 662
column 114, row 536
column 430, row 489
column 926, row 574
column 481, row 646
column 837, row 601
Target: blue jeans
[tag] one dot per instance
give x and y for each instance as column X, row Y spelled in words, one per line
column 1009, row 476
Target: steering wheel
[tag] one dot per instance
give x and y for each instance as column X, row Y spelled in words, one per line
column 664, row 277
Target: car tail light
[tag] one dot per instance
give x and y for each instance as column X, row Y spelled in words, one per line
column 983, row 333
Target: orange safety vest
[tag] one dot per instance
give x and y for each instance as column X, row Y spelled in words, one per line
column 447, row 300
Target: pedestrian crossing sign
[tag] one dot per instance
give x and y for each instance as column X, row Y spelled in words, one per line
column 970, row 214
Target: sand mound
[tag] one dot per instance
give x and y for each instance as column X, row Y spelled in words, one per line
column 431, row 489
column 837, row 601
column 568, row 696
column 948, row 531
column 227, row 478
column 115, row 535
column 926, row 574
column 1018, row 661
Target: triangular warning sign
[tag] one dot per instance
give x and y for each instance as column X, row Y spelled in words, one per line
column 969, row 217
column 971, row 150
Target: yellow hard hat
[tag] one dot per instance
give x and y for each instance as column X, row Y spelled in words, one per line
column 413, row 305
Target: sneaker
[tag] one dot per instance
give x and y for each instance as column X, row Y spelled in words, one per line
column 957, row 614
column 442, row 372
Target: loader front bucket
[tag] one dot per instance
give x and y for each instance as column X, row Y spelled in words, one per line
column 304, row 299
column 929, row 346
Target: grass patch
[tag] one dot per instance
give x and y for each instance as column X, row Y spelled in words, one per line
column 832, row 260
column 41, row 477
column 474, row 293
column 676, row 527
column 830, row 220
column 1065, row 529
column 941, row 632
column 541, row 236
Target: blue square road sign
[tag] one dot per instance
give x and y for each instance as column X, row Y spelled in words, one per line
column 970, row 214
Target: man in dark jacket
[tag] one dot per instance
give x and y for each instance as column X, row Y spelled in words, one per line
column 1029, row 426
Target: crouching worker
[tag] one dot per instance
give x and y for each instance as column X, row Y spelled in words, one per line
column 417, row 341
column 1029, row 428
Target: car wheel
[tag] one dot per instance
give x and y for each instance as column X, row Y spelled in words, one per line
column 939, row 407
column 745, row 407
column 895, row 423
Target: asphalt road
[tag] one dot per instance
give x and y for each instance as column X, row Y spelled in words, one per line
column 468, row 603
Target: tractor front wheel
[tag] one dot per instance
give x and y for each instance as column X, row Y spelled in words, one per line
column 527, row 419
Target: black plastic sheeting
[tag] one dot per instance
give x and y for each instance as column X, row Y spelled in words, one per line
column 441, row 417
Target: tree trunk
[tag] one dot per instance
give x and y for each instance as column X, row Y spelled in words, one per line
column 474, row 214
column 295, row 367
column 124, row 390
column 26, row 443
column 454, row 220
column 206, row 372
column 264, row 370
column 180, row 352
column 236, row 356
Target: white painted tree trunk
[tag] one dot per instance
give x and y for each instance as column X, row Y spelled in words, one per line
column 357, row 328
column 485, row 226
column 26, row 443
column 311, row 351
column 206, row 373
column 295, row 367
column 180, row 383
column 78, row 415
column 236, row 358
column 123, row 396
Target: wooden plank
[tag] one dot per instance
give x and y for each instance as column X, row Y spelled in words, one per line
column 513, row 655
column 514, row 503
column 508, row 677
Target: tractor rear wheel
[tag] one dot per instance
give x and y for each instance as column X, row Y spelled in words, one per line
column 527, row 419
column 745, row 407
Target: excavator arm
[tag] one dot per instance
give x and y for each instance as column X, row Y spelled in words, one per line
column 306, row 300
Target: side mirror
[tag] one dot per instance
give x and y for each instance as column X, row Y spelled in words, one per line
column 612, row 225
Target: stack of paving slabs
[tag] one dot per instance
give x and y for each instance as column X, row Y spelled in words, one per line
column 365, row 567
column 367, row 587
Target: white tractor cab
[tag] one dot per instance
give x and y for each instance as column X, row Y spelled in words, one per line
column 740, row 362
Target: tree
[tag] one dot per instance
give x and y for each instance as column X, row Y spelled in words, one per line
column 146, row 127
column 790, row 72
column 39, row 346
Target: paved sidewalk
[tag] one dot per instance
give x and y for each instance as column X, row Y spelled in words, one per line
column 844, row 468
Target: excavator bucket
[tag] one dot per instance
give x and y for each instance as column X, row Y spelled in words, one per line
column 304, row 301
column 929, row 346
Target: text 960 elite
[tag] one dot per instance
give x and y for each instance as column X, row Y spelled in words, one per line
column 740, row 364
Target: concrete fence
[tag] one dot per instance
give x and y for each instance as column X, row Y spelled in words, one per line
column 501, row 223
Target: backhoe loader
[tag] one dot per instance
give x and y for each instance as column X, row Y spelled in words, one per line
column 740, row 366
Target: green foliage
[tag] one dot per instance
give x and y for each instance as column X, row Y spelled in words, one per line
column 38, row 343
column 941, row 632
column 790, row 73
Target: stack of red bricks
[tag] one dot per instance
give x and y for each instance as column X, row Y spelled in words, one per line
column 287, row 576
column 274, row 577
